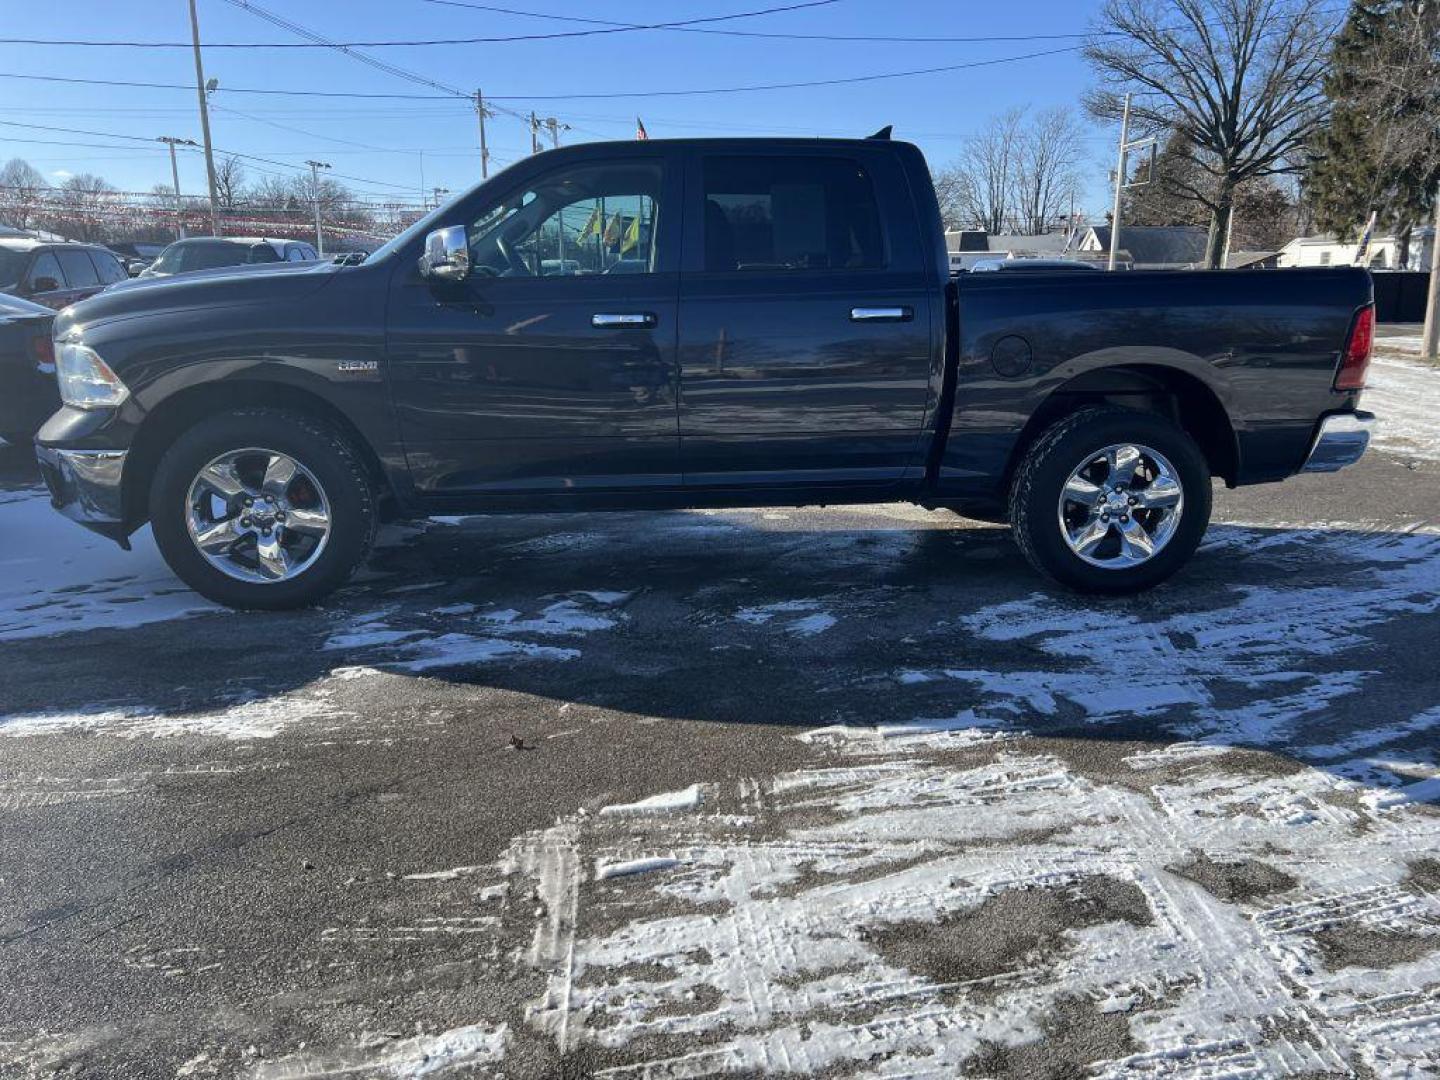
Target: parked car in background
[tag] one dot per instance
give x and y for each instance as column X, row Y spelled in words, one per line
column 215, row 252
column 56, row 274
column 138, row 255
column 28, row 393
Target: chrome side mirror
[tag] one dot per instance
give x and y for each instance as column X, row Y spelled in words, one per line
column 447, row 255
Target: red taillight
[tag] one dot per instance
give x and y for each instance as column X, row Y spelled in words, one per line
column 1356, row 361
column 44, row 349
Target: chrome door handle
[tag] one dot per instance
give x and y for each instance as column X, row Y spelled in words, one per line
column 612, row 320
column 881, row 314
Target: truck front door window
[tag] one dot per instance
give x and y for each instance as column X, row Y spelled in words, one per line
column 581, row 221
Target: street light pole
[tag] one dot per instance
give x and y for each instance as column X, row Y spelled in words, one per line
column 315, row 167
column 204, row 120
column 1121, row 183
column 175, row 176
column 1119, row 186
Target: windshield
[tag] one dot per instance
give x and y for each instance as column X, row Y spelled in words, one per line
column 178, row 258
column 12, row 263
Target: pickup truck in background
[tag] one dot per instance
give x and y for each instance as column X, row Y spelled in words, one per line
column 692, row 323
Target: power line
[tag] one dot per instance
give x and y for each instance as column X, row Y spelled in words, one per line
column 324, row 42
column 307, row 134
column 689, row 26
column 228, row 89
column 604, row 27
column 708, row 91
column 143, row 139
column 568, row 97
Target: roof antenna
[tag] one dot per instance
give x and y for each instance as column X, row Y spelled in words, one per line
column 883, row 134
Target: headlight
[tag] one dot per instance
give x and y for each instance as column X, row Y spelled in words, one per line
column 86, row 381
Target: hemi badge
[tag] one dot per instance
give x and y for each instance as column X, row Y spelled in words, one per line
column 357, row 367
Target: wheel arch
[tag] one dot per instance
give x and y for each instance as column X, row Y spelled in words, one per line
column 180, row 411
column 1180, row 396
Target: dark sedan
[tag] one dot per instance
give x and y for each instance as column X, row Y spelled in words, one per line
column 28, row 393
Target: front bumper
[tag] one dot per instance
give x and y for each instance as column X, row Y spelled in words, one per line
column 85, row 486
column 1341, row 441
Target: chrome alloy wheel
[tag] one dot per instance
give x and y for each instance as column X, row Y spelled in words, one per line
column 258, row 515
column 1121, row 506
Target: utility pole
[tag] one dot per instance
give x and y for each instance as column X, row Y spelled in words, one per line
column 315, row 167
column 1430, row 339
column 204, row 120
column 175, row 176
column 484, row 149
column 534, row 133
column 1120, row 182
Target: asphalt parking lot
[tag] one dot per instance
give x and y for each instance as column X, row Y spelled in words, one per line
column 845, row 791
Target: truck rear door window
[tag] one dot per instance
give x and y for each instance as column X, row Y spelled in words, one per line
column 790, row 214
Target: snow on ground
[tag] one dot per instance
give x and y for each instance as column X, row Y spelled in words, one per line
column 812, row 619
column 455, row 1052
column 1264, row 666
column 251, row 716
column 927, row 918
column 666, row 802
column 1406, row 397
column 1403, row 343
column 56, row 576
column 456, row 635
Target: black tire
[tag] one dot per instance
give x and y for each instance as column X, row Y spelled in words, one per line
column 319, row 447
column 1037, row 485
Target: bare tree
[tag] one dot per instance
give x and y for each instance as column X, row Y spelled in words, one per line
column 21, row 189
column 229, row 183
column 1044, row 168
column 82, row 208
column 1240, row 81
column 983, row 181
column 952, row 189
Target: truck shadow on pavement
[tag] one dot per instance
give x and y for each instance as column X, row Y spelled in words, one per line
column 1295, row 640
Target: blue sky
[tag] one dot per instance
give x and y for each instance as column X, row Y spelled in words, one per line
column 394, row 143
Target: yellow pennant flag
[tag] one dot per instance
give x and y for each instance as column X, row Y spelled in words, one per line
column 592, row 224
column 632, row 235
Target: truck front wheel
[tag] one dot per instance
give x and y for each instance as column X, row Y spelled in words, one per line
column 1110, row 500
column 262, row 508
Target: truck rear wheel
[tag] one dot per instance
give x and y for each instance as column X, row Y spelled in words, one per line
column 262, row 508
column 1110, row 500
